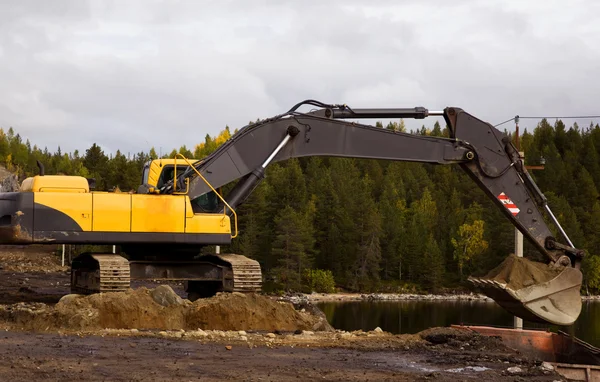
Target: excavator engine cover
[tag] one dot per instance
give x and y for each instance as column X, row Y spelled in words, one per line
column 534, row 291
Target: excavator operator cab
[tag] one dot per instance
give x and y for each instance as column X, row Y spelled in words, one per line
column 159, row 171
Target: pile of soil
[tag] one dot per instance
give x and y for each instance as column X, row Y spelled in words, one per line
column 462, row 339
column 161, row 309
column 33, row 259
column 519, row 272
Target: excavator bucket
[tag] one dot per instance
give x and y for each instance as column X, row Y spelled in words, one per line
column 535, row 292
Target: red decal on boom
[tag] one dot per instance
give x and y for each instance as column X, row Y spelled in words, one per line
column 512, row 207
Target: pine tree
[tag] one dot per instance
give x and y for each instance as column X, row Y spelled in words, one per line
column 434, row 262
column 421, row 222
column 591, row 160
column 368, row 228
column 97, row 164
column 392, row 207
column 291, row 247
column 327, row 219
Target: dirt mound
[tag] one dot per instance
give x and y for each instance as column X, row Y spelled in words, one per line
column 161, row 309
column 250, row 312
column 30, row 259
column 519, row 272
column 461, row 339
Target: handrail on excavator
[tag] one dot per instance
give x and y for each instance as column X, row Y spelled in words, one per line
column 235, row 223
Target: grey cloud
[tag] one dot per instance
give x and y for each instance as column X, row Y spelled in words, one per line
column 134, row 74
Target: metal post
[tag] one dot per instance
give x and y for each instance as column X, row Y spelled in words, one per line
column 63, row 255
column 114, row 249
column 218, row 249
column 518, row 322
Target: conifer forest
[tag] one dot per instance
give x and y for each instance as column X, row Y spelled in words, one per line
column 369, row 225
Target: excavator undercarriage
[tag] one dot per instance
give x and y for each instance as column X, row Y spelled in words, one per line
column 163, row 227
column 204, row 275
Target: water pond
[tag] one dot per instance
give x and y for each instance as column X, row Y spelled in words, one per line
column 414, row 316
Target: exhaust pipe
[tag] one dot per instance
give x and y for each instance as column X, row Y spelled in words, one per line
column 41, row 167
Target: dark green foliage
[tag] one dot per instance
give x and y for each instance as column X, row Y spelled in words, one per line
column 372, row 224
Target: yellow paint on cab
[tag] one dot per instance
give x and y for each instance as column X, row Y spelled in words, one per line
column 115, row 212
column 55, row 183
column 123, row 212
column 156, row 168
column 208, row 223
column 111, row 212
column 158, row 213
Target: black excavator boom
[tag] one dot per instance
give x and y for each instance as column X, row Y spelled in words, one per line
column 482, row 151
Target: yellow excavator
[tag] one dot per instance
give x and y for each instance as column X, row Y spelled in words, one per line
column 179, row 207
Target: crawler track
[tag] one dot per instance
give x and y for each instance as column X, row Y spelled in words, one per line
column 246, row 274
column 98, row 273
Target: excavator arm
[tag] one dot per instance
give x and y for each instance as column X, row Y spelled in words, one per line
column 482, row 151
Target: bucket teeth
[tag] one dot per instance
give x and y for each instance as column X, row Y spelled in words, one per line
column 486, row 283
column 473, row 280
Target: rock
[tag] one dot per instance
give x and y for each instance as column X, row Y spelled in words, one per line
column 8, row 181
column 307, row 333
column 242, row 333
column 546, row 366
column 514, row 370
column 165, row 296
column 378, row 330
column 244, row 338
column 69, row 298
column 271, row 335
column 228, row 347
column 196, row 333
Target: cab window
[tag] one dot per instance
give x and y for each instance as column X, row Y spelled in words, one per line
column 206, row 203
column 168, row 173
column 145, row 173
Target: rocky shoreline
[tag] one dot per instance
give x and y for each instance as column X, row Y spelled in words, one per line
column 299, row 298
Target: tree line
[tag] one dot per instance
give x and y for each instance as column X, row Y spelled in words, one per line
column 373, row 225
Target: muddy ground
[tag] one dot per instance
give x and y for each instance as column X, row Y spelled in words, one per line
column 34, row 281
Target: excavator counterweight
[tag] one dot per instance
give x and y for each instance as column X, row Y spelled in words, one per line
column 179, row 208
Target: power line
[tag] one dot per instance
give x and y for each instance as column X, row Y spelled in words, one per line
column 508, row 120
column 548, row 117
column 576, row 117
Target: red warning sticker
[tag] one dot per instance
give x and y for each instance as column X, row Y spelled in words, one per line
column 512, row 207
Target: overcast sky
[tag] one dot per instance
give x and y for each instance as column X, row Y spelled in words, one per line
column 130, row 75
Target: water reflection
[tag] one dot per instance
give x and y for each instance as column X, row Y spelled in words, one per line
column 414, row 316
